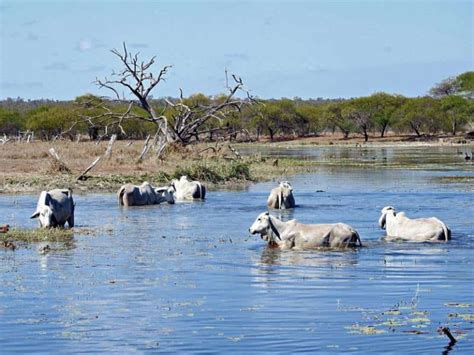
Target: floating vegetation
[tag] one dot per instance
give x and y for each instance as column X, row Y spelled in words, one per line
column 39, row 235
column 459, row 305
column 393, row 312
column 464, row 316
column 404, row 317
column 367, row 330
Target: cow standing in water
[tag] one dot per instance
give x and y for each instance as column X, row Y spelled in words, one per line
column 281, row 197
column 55, row 208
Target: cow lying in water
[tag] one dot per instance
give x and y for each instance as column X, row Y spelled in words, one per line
column 295, row 235
column 145, row 194
column 188, row 190
column 281, row 197
column 400, row 227
column 55, row 208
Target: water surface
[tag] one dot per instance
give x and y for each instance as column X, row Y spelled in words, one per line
column 189, row 278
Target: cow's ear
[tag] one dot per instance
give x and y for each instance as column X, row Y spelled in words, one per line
column 35, row 215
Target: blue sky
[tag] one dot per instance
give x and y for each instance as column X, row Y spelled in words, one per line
column 55, row 49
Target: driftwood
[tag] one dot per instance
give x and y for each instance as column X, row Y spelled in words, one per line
column 145, row 149
column 233, row 150
column 108, row 152
column 4, row 140
column 89, row 168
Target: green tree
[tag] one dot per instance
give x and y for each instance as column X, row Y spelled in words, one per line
column 10, row 122
column 49, row 121
column 336, row 115
column 462, row 84
column 422, row 115
column 310, row 118
column 386, row 106
column 458, row 111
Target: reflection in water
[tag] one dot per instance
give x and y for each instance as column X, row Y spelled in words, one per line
column 323, row 258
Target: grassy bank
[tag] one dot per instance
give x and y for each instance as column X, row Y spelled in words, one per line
column 27, row 167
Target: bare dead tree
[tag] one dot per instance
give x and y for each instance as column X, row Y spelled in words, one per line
column 178, row 122
column 187, row 119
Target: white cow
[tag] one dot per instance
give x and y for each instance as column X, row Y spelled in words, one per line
column 145, row 194
column 55, row 208
column 295, row 235
column 281, row 197
column 188, row 190
column 400, row 227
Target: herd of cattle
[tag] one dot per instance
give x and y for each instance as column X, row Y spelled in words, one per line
column 56, row 207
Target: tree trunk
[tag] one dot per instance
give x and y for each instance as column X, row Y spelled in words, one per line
column 416, row 129
column 455, row 126
column 346, row 134
column 382, row 133
column 366, row 135
column 271, row 132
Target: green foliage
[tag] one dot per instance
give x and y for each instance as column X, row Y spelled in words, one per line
column 10, row 122
column 218, row 172
column 458, row 110
column 449, row 110
column 337, row 114
column 423, row 115
column 466, row 84
column 49, row 121
column 462, row 84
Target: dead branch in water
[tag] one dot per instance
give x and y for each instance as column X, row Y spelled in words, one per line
column 447, row 332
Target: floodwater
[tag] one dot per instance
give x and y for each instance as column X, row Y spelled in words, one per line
column 188, row 277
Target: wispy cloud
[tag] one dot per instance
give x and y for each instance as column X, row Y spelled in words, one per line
column 87, row 44
column 138, row 45
column 32, row 37
column 18, row 85
column 93, row 69
column 240, row 56
column 57, row 66
column 29, row 23
column 84, row 45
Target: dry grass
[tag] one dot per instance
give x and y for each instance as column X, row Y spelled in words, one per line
column 27, row 167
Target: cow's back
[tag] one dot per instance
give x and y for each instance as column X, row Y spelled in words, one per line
column 61, row 203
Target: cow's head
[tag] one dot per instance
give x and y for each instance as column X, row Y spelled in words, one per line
column 45, row 215
column 44, row 212
column 383, row 218
column 286, row 185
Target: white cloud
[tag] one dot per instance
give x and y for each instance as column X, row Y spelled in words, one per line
column 84, row 45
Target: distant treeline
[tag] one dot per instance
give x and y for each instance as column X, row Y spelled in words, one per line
column 448, row 109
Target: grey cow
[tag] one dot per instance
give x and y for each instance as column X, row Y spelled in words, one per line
column 55, row 208
column 400, row 227
column 145, row 194
column 295, row 235
column 281, row 197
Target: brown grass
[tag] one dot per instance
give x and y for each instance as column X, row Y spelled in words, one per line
column 27, row 167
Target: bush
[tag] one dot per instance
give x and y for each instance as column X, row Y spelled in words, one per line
column 215, row 173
